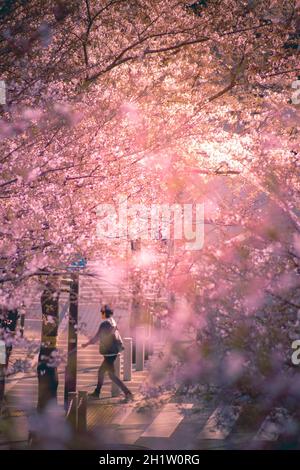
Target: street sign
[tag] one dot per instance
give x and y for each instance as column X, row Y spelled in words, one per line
column 78, row 263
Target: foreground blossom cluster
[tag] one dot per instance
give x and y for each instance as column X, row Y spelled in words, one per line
column 164, row 102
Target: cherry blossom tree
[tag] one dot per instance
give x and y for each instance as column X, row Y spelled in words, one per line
column 163, row 101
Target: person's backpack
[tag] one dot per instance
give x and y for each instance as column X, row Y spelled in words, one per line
column 118, row 340
column 110, row 339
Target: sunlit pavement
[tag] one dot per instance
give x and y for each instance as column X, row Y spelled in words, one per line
column 191, row 426
column 171, row 426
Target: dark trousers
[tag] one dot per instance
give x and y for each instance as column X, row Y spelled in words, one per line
column 108, row 365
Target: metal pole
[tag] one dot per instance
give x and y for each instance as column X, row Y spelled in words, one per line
column 151, row 336
column 134, row 348
column 147, row 347
column 71, row 367
column 147, row 338
column 2, row 370
column 127, row 358
column 22, row 324
column 140, row 348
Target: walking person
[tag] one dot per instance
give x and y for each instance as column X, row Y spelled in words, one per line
column 8, row 325
column 110, row 346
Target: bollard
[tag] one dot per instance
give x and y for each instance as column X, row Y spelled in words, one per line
column 115, row 391
column 140, row 348
column 146, row 350
column 2, row 370
column 2, row 353
column 134, row 348
column 72, row 410
column 148, row 337
column 22, row 324
column 82, row 412
column 148, row 347
column 159, row 329
column 127, row 359
column 151, row 335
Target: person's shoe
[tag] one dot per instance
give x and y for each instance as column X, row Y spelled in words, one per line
column 129, row 396
column 95, row 394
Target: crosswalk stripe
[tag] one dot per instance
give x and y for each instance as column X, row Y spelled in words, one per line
column 273, row 425
column 166, row 421
column 123, row 415
column 221, row 422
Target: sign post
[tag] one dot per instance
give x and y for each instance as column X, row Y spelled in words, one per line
column 71, row 367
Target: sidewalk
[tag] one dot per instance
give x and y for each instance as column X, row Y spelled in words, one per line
column 169, row 424
column 22, row 395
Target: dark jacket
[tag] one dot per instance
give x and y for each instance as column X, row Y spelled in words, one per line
column 109, row 338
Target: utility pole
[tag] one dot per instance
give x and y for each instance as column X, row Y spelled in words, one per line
column 71, row 367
